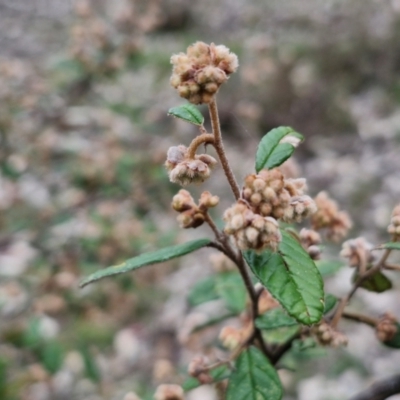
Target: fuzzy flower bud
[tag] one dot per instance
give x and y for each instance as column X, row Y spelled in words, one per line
column 337, row 223
column 266, row 302
column 207, row 200
column 386, row 328
column 198, row 74
column 230, row 337
column 198, row 369
column 221, row 263
column 310, row 241
column 250, row 230
column 183, row 201
column 358, row 251
column 327, row 336
column 270, row 194
column 184, row 170
column 192, row 215
column 300, row 207
column 394, row 227
column 169, row 392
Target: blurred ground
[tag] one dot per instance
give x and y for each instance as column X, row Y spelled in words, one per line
column 84, row 93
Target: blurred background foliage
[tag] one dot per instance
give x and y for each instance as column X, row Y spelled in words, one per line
column 83, row 130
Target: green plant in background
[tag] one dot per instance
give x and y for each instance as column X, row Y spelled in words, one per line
column 271, row 279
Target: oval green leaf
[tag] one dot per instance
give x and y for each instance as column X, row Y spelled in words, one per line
column 147, row 259
column 188, row 113
column 330, row 302
column 276, row 147
column 203, row 291
column 274, row 319
column 292, row 278
column 230, row 287
column 377, row 283
column 328, row 267
column 390, row 246
column 254, row 378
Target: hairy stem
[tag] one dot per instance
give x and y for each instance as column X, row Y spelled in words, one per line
column 367, row 274
column 219, row 147
column 360, row 318
column 198, row 141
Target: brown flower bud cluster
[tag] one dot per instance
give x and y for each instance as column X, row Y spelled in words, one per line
column 386, row 327
column 271, row 195
column 266, row 302
column 198, row 73
column 98, row 46
column 250, row 230
column 169, row 392
column 192, row 215
column 394, row 227
column 337, row 223
column 328, row 336
column 310, row 240
column 221, row 263
column 358, row 252
column 184, row 170
column 198, row 369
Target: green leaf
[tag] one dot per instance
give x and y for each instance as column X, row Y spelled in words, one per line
column 290, row 275
column 203, row 291
column 378, row 282
column 275, row 318
column 218, row 374
column 271, row 152
column 328, row 267
column 395, row 341
column 52, row 355
column 188, row 113
column 154, row 257
column 230, row 287
column 330, row 302
column 281, row 335
column 390, row 246
column 254, row 378
column 92, row 371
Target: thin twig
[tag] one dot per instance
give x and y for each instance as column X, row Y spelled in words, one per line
column 380, row 390
column 218, row 234
column 219, row 148
column 356, row 285
column 392, row 267
column 360, row 318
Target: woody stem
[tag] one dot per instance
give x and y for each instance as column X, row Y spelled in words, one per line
column 219, row 147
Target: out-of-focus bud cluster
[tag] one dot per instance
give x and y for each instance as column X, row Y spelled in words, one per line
column 386, row 327
column 328, row 336
column 192, row 215
column 310, row 241
column 221, row 263
column 103, row 47
column 198, row 369
column 358, row 251
column 232, row 337
column 169, row 392
column 266, row 302
column 198, row 73
column 271, row 195
column 251, row 230
column 184, row 170
column 336, row 223
column 394, row 227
